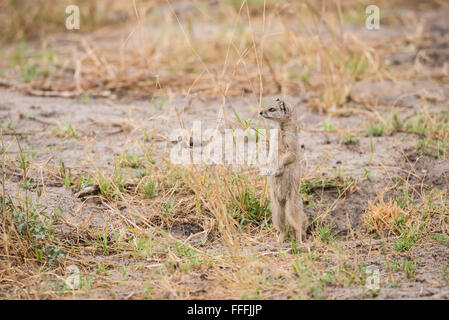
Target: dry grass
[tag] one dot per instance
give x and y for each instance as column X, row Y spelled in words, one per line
column 256, row 48
column 228, row 209
column 384, row 216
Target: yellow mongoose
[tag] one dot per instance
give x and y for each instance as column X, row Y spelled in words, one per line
column 284, row 175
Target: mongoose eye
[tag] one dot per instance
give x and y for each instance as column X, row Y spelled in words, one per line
column 272, row 109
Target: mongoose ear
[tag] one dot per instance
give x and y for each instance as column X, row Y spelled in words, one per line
column 282, row 105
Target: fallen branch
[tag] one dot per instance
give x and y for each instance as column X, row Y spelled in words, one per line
column 88, row 191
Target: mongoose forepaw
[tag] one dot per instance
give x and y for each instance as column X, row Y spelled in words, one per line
column 273, row 172
column 278, row 173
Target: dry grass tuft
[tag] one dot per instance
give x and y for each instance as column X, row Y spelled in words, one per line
column 383, row 217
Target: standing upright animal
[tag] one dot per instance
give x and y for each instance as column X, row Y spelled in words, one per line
column 284, row 174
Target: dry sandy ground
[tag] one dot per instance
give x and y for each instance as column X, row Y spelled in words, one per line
column 108, row 128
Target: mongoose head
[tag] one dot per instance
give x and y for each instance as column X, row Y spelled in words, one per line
column 277, row 111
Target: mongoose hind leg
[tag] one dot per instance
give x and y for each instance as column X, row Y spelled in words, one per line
column 278, row 217
column 296, row 217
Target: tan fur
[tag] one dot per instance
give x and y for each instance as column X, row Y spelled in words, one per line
column 284, row 175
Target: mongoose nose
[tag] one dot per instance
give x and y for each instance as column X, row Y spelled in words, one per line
column 260, row 112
